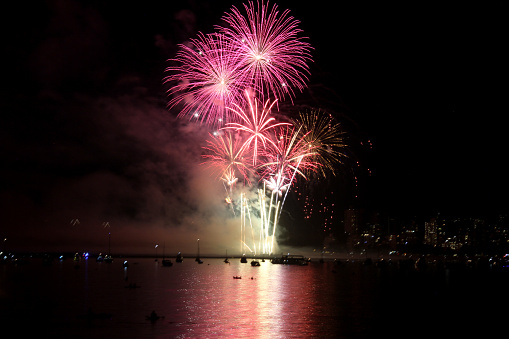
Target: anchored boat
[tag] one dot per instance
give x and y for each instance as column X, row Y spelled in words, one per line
column 290, row 260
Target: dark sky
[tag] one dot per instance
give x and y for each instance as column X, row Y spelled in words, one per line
column 85, row 133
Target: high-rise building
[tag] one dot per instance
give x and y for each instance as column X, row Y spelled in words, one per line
column 431, row 233
column 353, row 228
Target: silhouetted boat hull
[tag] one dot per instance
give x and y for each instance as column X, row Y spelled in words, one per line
column 290, row 260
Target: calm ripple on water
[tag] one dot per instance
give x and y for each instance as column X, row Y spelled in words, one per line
column 352, row 300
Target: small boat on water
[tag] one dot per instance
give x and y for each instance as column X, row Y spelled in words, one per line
column 166, row 262
column 107, row 258
column 226, row 261
column 237, row 277
column 99, row 258
column 198, row 260
column 179, row 257
column 243, row 259
column 154, row 316
column 255, row 263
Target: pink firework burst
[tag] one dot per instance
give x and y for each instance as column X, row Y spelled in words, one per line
column 224, row 152
column 290, row 155
column 273, row 57
column 257, row 124
column 206, row 79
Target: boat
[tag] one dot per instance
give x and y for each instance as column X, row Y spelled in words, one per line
column 166, row 262
column 107, row 258
column 237, row 277
column 99, row 258
column 226, row 261
column 179, row 258
column 125, row 264
column 243, row 259
column 255, row 263
column 290, row 260
column 198, row 260
column 154, row 316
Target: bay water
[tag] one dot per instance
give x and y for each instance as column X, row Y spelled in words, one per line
column 236, row 300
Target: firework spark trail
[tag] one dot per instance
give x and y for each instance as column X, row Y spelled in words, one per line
column 256, row 124
column 282, row 203
column 268, row 247
column 261, row 201
column 225, row 154
column 245, row 212
column 242, row 223
column 274, row 58
column 264, row 220
column 282, row 161
column 288, row 154
column 323, row 134
column 207, row 79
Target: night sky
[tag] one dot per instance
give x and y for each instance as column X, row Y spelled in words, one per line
column 85, row 133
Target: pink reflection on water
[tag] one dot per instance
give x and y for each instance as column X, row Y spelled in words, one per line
column 269, row 301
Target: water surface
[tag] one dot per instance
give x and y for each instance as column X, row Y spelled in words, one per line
column 271, row 301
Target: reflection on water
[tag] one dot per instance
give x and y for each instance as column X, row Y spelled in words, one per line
column 99, row 300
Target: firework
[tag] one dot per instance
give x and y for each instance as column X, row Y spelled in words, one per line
column 322, row 134
column 225, row 154
column 290, row 154
column 224, row 80
column 257, row 124
column 205, row 80
column 278, row 183
column 273, row 57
